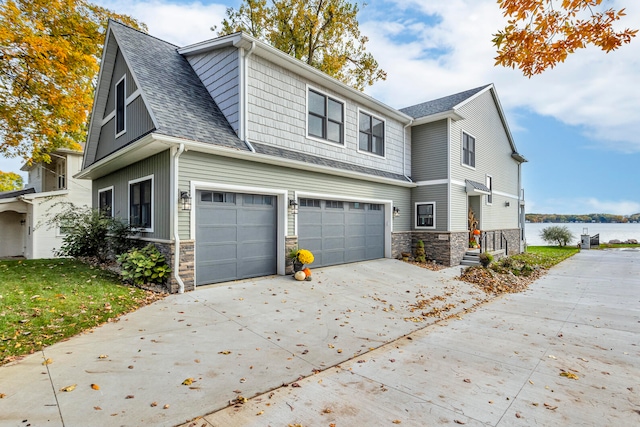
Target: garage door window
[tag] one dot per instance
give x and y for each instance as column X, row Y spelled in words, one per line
column 333, row 204
column 375, row 207
column 310, row 203
column 257, row 199
column 356, row 205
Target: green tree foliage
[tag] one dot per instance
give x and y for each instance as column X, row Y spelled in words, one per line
column 323, row 33
column 49, row 59
column 10, row 181
column 559, row 234
column 597, row 217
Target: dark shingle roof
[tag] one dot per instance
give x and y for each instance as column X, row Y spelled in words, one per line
column 478, row 186
column 313, row 160
column 16, row 193
column 175, row 95
column 440, row 105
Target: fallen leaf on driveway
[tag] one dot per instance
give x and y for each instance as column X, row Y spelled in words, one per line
column 188, row 381
column 570, row 375
column 260, row 413
column 103, row 356
column 397, row 421
column 97, row 408
column 2, row 395
column 224, row 352
column 295, row 385
column 467, row 380
column 47, row 362
column 459, row 422
column 550, row 407
column 69, row 387
column 95, row 386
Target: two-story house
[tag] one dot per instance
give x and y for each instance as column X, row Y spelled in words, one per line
column 228, row 153
column 24, row 231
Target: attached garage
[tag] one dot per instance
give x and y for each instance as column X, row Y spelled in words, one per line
column 339, row 232
column 236, row 236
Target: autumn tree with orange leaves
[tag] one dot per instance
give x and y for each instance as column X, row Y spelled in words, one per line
column 49, row 59
column 541, row 33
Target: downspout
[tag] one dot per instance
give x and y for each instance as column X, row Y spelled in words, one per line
column 245, row 92
column 404, row 150
column 176, row 234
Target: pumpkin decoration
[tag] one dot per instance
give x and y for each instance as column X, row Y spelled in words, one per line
column 307, row 272
column 476, row 232
column 300, row 275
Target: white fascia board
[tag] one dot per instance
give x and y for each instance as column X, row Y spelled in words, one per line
column 450, row 114
column 244, row 41
column 278, row 161
column 33, row 196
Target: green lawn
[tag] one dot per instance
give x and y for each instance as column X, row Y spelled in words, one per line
column 546, row 256
column 46, row 301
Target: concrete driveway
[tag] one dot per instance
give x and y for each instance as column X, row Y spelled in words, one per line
column 564, row 353
column 242, row 338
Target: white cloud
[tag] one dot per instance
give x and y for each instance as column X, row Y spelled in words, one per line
column 596, row 91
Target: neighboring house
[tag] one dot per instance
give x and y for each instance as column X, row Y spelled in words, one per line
column 24, row 213
column 228, row 153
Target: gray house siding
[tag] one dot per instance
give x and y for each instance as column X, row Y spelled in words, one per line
column 431, row 193
column 429, row 151
column 220, row 170
column 493, row 157
column 138, row 123
column 218, row 70
column 159, row 167
column 120, row 69
column 277, row 114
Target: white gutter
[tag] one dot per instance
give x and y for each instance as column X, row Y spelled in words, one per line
column 174, row 211
column 404, row 150
column 245, row 92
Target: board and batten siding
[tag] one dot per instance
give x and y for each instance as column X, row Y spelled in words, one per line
column 138, row 123
column 218, row 71
column 277, row 115
column 119, row 69
column 431, row 193
column 158, row 166
column 493, row 157
column 214, row 169
column 429, row 151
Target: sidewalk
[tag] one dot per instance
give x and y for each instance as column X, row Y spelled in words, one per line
column 242, row 338
column 564, row 353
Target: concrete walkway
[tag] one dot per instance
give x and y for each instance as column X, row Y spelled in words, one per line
column 239, row 338
column 498, row 365
column 501, row 365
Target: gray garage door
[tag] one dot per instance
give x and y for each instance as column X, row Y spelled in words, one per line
column 339, row 232
column 235, row 236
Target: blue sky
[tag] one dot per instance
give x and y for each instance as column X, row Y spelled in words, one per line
column 577, row 124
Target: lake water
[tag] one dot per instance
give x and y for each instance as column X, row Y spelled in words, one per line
column 607, row 232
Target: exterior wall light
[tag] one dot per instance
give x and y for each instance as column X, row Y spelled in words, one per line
column 186, row 200
column 293, row 206
column 507, row 204
column 396, row 211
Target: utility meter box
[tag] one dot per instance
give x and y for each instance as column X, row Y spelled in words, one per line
column 585, row 241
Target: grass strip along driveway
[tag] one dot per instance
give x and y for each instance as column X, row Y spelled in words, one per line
column 46, row 301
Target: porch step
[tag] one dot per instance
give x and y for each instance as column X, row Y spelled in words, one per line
column 471, row 257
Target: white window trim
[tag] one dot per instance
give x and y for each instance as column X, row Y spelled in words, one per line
column 475, row 152
column 344, row 117
column 415, row 216
column 102, row 190
column 133, row 181
column 115, row 110
column 487, row 178
column 384, row 121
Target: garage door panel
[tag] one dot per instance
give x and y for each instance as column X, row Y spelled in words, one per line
column 235, row 239
column 338, row 235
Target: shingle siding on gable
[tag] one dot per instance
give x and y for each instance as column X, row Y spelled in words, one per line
column 429, row 151
column 218, row 71
column 493, row 157
column 277, row 116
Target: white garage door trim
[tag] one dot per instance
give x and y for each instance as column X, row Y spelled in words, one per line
column 388, row 208
column 282, row 203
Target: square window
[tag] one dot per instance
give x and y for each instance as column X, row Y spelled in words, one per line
column 425, row 215
column 325, row 118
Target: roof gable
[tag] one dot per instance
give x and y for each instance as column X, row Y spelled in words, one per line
column 176, row 99
column 443, row 104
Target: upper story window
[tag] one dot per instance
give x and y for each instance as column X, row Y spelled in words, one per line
column 468, row 150
column 326, row 117
column 426, row 215
column 61, row 174
column 371, row 135
column 105, row 201
column 121, row 95
column 141, row 203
